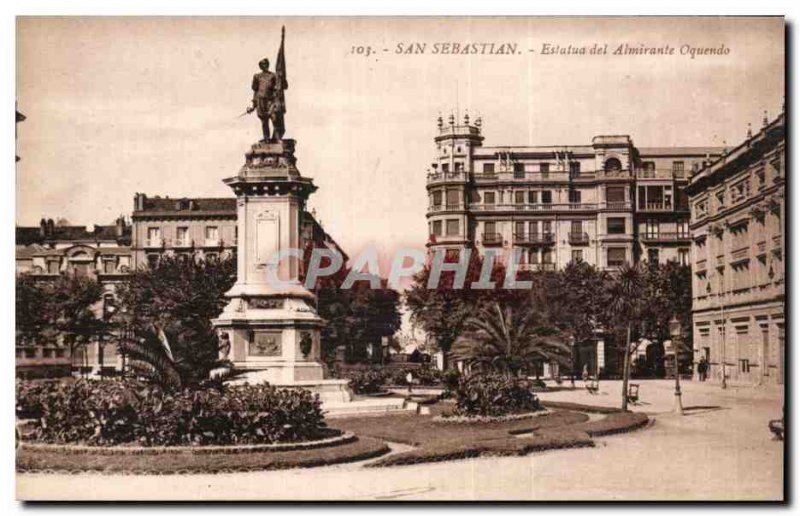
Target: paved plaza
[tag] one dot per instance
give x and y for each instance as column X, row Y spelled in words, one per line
column 721, row 449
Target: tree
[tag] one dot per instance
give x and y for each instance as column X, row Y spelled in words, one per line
column 510, row 339
column 576, row 301
column 64, row 307
column 625, row 302
column 169, row 308
column 442, row 312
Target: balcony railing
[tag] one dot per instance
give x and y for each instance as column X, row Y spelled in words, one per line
column 492, row 239
column 446, row 207
column 618, row 205
column 533, row 238
column 701, row 265
column 437, row 177
column 578, row 238
column 154, row 242
column 534, row 207
column 656, row 206
column 762, row 248
column 660, row 173
column 720, row 260
column 184, row 242
column 665, row 237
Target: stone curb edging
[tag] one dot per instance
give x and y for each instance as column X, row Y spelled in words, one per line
column 76, row 449
column 490, row 419
column 313, row 463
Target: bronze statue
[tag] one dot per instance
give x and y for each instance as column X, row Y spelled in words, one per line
column 268, row 99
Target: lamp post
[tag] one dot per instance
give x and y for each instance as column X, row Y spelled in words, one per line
column 675, row 332
column 572, row 376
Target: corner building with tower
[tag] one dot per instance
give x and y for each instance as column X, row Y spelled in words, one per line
column 606, row 202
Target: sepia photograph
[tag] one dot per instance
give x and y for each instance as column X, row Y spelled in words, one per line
column 400, row 258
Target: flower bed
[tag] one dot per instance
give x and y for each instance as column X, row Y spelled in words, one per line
column 194, row 461
column 449, row 418
column 493, row 395
column 113, row 412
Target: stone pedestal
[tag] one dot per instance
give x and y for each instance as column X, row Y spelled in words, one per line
column 271, row 331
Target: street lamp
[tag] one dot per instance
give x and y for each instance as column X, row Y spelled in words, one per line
column 572, row 344
column 675, row 333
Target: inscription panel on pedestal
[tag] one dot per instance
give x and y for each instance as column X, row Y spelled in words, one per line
column 265, row 344
column 267, row 238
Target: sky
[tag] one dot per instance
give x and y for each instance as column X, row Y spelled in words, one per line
column 117, row 106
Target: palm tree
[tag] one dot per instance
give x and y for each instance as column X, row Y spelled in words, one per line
column 150, row 356
column 624, row 304
column 510, row 340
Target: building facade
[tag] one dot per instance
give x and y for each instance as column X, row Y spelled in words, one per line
column 50, row 250
column 605, row 203
column 738, row 259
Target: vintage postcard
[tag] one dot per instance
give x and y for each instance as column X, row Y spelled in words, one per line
column 401, row 258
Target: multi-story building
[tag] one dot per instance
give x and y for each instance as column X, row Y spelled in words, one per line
column 738, row 259
column 204, row 227
column 49, row 250
column 604, row 203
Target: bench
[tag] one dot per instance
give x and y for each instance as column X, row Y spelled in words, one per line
column 776, row 427
column 633, row 392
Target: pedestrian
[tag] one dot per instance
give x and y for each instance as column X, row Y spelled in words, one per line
column 409, row 381
column 585, row 373
column 702, row 369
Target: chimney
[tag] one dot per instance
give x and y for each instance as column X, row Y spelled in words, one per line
column 120, row 229
column 50, row 226
column 138, row 201
column 43, row 228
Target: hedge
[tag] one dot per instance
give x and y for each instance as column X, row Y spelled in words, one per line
column 490, row 394
column 118, row 412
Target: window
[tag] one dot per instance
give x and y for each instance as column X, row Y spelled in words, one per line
column 744, row 365
column 437, row 227
column 452, row 227
column 488, row 198
column 700, row 209
column 488, row 168
column 649, row 166
column 547, row 256
column 761, row 179
column 109, row 266
column 453, row 199
column 652, row 256
column 574, row 168
column 519, row 197
column 651, row 228
column 519, row 170
column 154, row 237
column 533, row 256
column 683, row 256
column 547, row 197
column 677, row 169
column 577, row 255
column 182, row 236
column 152, row 260
column 445, row 167
column 616, row 226
column 459, row 166
column 720, row 196
column 212, row 235
column 436, row 198
column 519, row 229
column 612, row 165
column 576, row 227
column 52, row 267
column 575, row 196
column 683, row 228
column 740, row 191
column 544, row 168
column 212, row 256
column 533, row 197
column 615, row 194
column 615, row 256
column 547, row 227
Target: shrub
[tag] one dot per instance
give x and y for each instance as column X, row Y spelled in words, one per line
column 491, row 394
column 115, row 412
column 368, row 382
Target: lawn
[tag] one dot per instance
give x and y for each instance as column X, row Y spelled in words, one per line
column 435, row 440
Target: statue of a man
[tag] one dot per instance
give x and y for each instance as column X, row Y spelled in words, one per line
column 268, row 102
